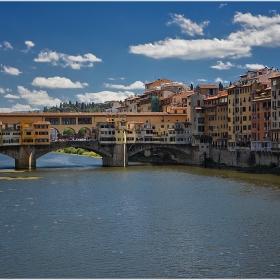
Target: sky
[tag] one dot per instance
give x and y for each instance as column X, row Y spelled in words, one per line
column 53, row 52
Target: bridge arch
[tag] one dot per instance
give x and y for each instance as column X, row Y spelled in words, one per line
column 93, row 146
column 183, row 154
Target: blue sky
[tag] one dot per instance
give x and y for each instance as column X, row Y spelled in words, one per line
column 52, row 52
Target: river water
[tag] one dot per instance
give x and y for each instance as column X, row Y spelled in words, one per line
column 73, row 218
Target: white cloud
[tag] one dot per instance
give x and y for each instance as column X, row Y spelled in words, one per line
column 257, row 31
column 192, row 49
column 17, row 108
column 218, row 80
column 37, row 98
column 3, row 90
column 222, row 5
column 6, row 45
column 135, row 85
column 74, row 62
column 187, row 26
column 100, row 97
column 202, row 80
column 114, row 79
column 11, row 96
column 222, row 66
column 57, row 82
column 11, row 70
column 254, row 66
column 47, row 56
column 29, row 45
column 258, row 21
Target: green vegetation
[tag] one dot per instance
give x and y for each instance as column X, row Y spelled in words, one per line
column 78, row 151
column 79, row 107
column 263, row 169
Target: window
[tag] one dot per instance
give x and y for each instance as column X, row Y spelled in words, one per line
column 68, row 120
column 52, row 120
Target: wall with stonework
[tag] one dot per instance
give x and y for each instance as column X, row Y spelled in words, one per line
column 244, row 158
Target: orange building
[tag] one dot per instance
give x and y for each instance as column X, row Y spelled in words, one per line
column 42, row 133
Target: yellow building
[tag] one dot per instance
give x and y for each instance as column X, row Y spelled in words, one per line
column 216, row 119
column 27, row 132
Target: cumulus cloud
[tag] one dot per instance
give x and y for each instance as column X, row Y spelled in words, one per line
column 135, row 85
column 255, row 31
column 11, row 70
column 259, row 21
column 187, row 26
column 218, row 80
column 222, row 66
column 100, row 97
column 57, row 82
column 64, row 60
column 3, row 90
column 37, row 98
column 11, row 96
column 192, row 49
column 29, row 45
column 18, row 108
column 254, row 66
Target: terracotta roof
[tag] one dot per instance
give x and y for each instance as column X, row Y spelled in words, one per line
column 207, row 86
column 276, row 76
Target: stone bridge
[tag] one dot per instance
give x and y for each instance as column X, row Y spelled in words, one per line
column 112, row 154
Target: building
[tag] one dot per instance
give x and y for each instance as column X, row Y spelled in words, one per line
column 275, row 112
column 27, row 132
column 208, row 90
column 10, row 134
column 240, row 96
column 42, row 133
column 216, row 119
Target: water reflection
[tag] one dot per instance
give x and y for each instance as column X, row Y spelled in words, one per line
column 81, row 220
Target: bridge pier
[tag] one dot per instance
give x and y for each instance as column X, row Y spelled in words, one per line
column 26, row 158
column 119, row 157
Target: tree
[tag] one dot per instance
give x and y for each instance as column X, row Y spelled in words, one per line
column 191, row 86
column 68, row 133
column 221, row 87
column 81, row 133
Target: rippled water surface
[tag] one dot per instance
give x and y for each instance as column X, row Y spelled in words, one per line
column 73, row 218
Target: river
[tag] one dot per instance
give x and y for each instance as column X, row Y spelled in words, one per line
column 73, row 218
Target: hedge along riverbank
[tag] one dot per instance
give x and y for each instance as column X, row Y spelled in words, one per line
column 78, row 151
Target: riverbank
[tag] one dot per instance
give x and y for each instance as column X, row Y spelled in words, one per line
column 165, row 158
column 257, row 168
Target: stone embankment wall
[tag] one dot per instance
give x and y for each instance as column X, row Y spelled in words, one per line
column 244, row 157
